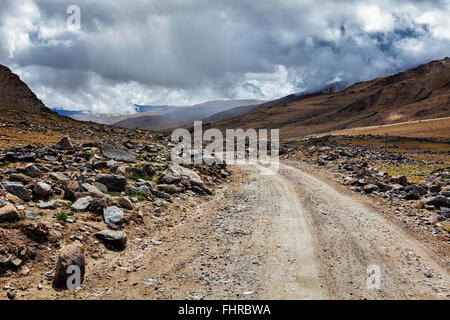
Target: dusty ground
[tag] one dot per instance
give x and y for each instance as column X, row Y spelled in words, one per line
column 293, row 235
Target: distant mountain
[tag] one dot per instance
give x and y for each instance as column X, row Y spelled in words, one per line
column 67, row 113
column 416, row 94
column 180, row 117
column 141, row 109
column 18, row 102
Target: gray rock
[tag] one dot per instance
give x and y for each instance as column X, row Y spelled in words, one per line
column 445, row 212
column 64, row 144
column 31, row 215
column 100, row 186
column 114, row 183
column 175, row 173
column 18, row 189
column 438, row 201
column 43, row 189
column 114, row 240
column 112, row 151
column 59, row 176
column 82, row 203
column 70, row 255
column 144, row 191
column 46, row 205
column 33, row 171
column 113, row 215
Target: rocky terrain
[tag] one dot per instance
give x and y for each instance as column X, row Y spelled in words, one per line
column 420, row 196
column 63, row 203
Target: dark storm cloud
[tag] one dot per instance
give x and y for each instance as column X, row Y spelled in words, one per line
column 180, row 52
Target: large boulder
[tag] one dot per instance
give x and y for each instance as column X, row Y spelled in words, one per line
column 112, row 151
column 114, row 183
column 114, row 240
column 70, row 256
column 18, row 189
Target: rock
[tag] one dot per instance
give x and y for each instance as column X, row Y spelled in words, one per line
column 125, row 203
column 114, row 240
column 27, row 157
column 42, row 189
column 31, row 215
column 412, row 195
column 64, row 144
column 82, row 203
column 18, row 189
column 59, row 176
column 435, row 188
column 144, row 191
column 113, row 215
column 438, row 201
column 445, row 212
column 401, row 180
column 35, row 230
column 46, row 205
column 370, row 188
column 175, row 173
column 100, row 186
column 69, row 256
column 8, row 213
column 98, row 204
column 20, row 177
column 93, row 190
column 169, row 188
column 111, row 151
column 11, row 295
column 161, row 194
column 114, row 183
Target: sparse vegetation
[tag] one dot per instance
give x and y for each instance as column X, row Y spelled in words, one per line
column 61, row 216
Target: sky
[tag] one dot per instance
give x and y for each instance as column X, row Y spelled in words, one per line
column 182, row 52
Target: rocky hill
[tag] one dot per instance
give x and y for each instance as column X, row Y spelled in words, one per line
column 19, row 103
column 416, row 94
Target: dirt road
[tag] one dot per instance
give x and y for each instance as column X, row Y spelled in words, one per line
column 291, row 235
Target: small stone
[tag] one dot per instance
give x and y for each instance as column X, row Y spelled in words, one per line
column 33, row 171
column 11, row 295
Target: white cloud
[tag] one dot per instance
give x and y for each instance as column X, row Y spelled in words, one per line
column 185, row 52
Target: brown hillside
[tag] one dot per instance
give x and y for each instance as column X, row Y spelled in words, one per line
column 416, row 94
column 19, row 103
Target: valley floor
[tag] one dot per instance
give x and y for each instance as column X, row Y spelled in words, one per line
column 292, row 235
